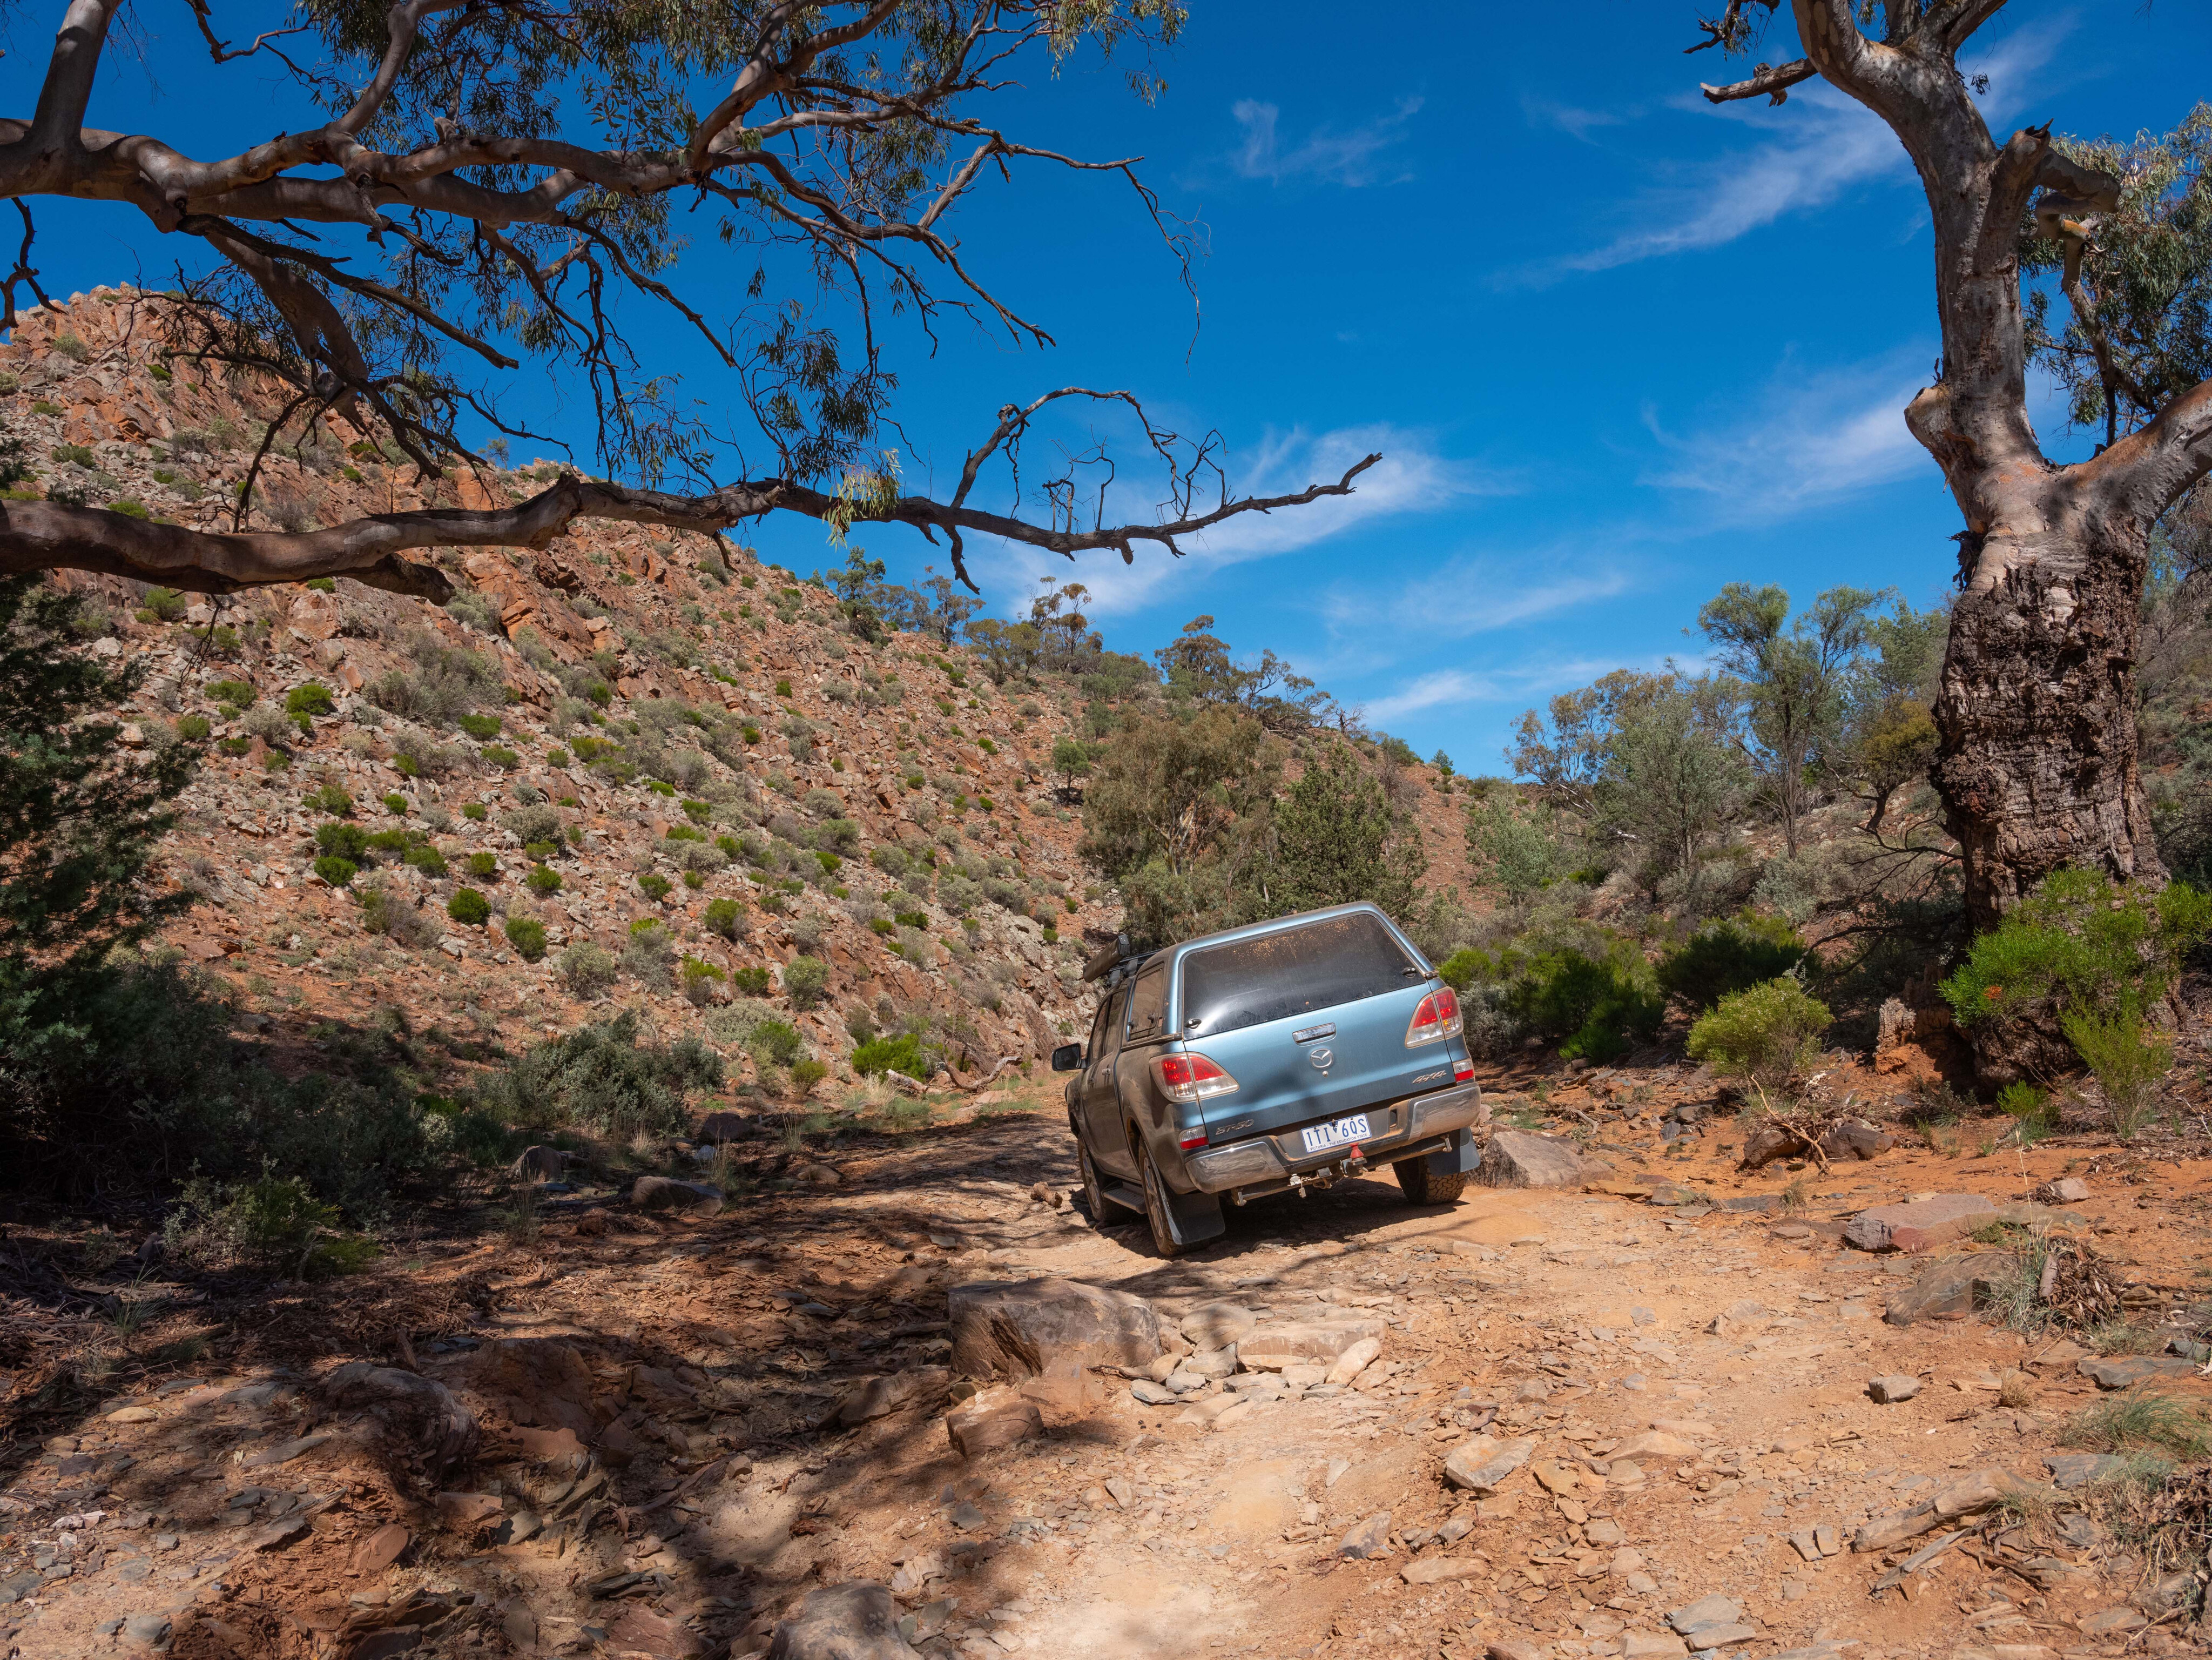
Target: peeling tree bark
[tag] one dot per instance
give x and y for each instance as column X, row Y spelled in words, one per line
column 2036, row 714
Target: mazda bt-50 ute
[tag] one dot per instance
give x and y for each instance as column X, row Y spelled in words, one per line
column 1267, row 1060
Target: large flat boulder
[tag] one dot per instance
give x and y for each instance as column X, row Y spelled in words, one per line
column 1521, row 1158
column 1013, row 1329
column 2125, row 1371
column 1919, row 1225
column 1274, row 1344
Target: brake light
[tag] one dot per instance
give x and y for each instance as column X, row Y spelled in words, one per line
column 1437, row 1018
column 1190, row 1077
column 1463, row 1069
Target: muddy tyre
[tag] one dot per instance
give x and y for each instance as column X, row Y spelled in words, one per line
column 1105, row 1212
column 1164, row 1242
column 1424, row 1186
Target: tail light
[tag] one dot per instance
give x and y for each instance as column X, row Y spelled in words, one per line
column 1436, row 1019
column 1463, row 1069
column 1190, row 1077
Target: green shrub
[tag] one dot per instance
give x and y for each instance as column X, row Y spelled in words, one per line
column 725, row 917
column 804, row 979
column 427, row 860
column 167, row 604
column 543, row 880
column 1466, row 966
column 1729, row 955
column 698, row 811
column 502, row 756
column 586, row 969
column 345, row 841
column 473, row 810
column 195, row 729
column 1766, row 1035
column 700, row 979
column 2127, row 1058
column 556, row 757
column 469, row 907
column 805, row 1074
column 749, row 733
column 395, row 804
column 129, row 509
column 902, row 1053
column 320, row 584
column 754, row 982
column 313, row 698
column 603, row 1079
column 1597, row 1008
column 2079, row 944
column 776, row 1042
column 527, row 935
column 483, row 866
column 655, row 884
column 541, row 851
column 336, row 871
column 682, row 833
column 482, row 727
column 324, row 798
column 235, row 693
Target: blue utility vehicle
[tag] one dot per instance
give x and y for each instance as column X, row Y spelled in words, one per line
column 1270, row 1059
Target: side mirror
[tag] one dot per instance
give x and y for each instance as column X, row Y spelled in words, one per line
column 1068, row 1057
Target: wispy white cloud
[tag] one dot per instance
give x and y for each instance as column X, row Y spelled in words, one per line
column 1412, row 477
column 1575, row 122
column 1823, row 147
column 1813, row 439
column 1508, row 682
column 1352, row 157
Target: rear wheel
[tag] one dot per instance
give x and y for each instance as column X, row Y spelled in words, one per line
column 1424, row 1186
column 1156, row 1208
column 1104, row 1212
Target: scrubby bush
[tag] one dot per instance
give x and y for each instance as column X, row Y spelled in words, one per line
column 655, row 885
column 543, row 880
column 527, row 935
column 313, row 698
column 483, row 866
column 725, row 917
column 469, row 907
column 586, row 969
column 387, row 913
column 753, row 982
column 2128, row 1059
column 193, row 728
column 324, row 798
column 701, row 981
column 336, row 871
column 1597, row 1007
column 1729, row 955
column 776, row 1043
column 427, row 860
column 902, row 1053
column 649, row 952
column 805, row 1074
column 343, row 841
column 1764, row 1035
column 2080, row 953
column 482, row 727
column 804, row 979
column 603, row 1079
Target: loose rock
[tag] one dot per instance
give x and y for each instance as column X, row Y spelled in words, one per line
column 1480, row 1465
column 1888, row 1391
column 997, row 1417
column 665, row 1193
column 1049, row 1327
column 1520, row 1159
column 857, row 1620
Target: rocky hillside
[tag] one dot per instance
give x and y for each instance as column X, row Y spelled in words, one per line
column 680, row 731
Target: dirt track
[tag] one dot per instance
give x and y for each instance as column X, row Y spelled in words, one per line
column 699, row 1358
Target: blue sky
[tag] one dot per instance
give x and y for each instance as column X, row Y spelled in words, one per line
column 1617, row 347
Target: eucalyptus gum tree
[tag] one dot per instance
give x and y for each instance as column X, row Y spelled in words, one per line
column 2036, row 709
column 478, row 182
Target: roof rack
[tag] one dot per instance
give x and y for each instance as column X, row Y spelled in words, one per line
column 1115, row 962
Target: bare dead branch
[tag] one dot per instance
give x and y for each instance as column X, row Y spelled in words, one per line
column 1769, row 80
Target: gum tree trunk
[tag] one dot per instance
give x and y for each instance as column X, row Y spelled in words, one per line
column 2037, row 711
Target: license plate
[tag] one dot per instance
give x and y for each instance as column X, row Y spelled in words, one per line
column 1321, row 1137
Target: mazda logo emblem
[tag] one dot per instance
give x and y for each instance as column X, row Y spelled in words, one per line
column 1322, row 1059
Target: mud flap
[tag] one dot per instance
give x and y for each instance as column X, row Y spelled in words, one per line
column 1460, row 1159
column 1194, row 1216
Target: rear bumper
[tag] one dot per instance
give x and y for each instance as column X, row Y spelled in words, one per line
column 1428, row 1124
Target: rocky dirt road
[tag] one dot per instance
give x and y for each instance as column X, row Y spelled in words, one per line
column 1665, row 1413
